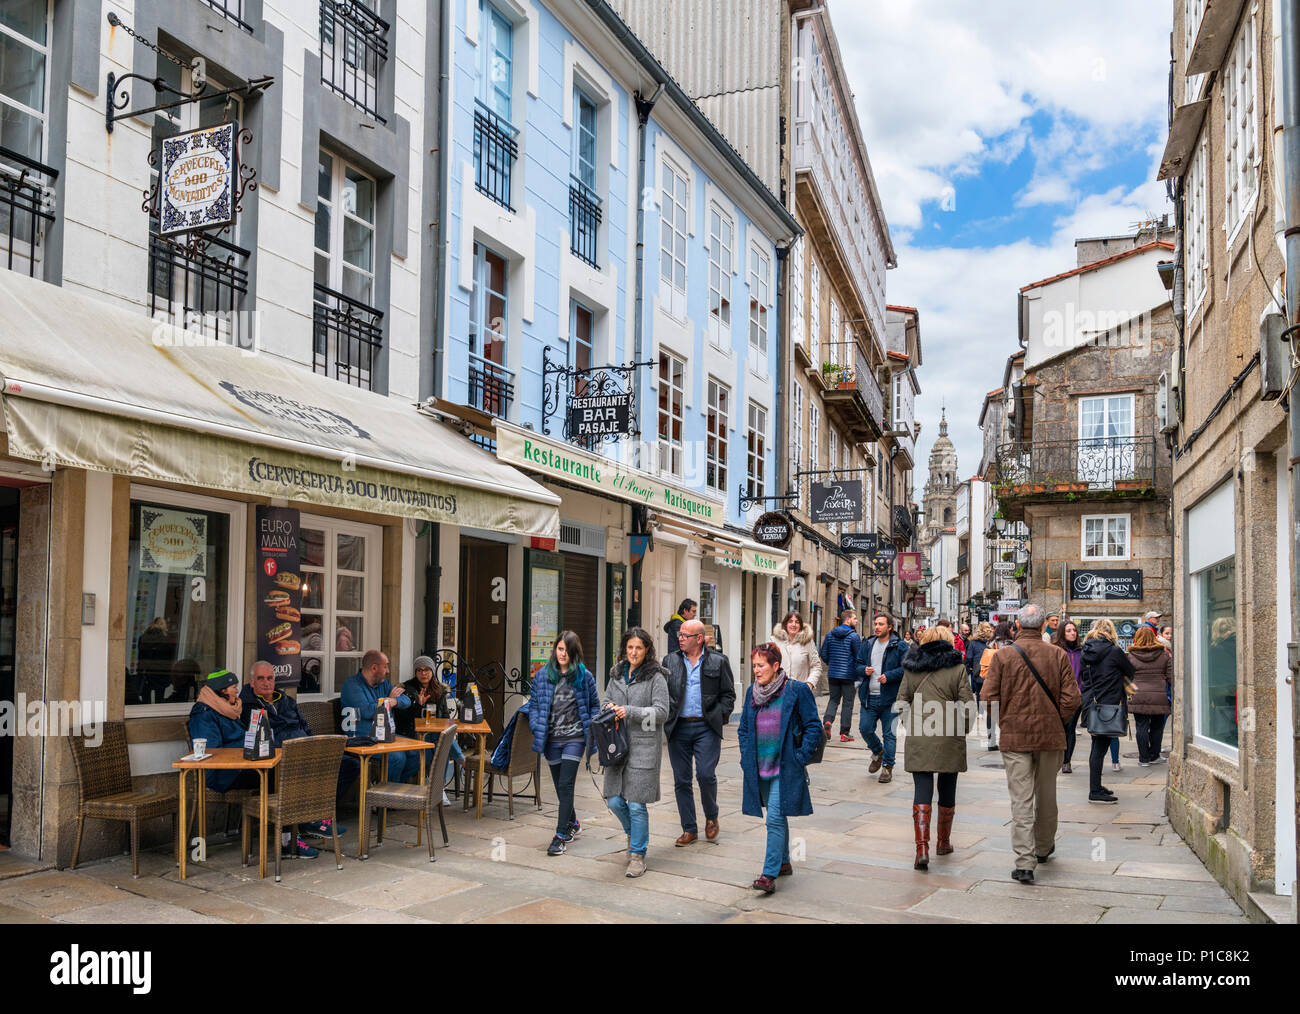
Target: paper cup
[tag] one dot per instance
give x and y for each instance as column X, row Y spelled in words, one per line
column 200, row 748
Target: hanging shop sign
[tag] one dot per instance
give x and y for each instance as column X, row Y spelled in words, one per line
column 860, row 543
column 600, row 415
column 837, row 502
column 774, row 529
column 600, row 400
column 198, row 178
column 909, row 567
column 279, row 593
column 884, row 556
column 173, row 542
column 1105, row 585
column 923, row 611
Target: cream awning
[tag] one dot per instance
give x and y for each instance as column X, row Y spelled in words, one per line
column 87, row 384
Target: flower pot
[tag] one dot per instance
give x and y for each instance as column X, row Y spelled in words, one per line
column 1130, row 484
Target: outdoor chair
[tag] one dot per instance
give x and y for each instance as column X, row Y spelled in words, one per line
column 306, row 780
column 321, row 717
column 401, row 796
column 227, row 797
column 524, row 763
column 104, row 790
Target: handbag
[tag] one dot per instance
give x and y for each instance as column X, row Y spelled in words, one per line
column 1107, row 719
column 609, row 734
column 820, row 751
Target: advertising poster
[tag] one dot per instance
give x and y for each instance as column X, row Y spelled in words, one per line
column 173, row 542
column 279, row 593
column 544, row 627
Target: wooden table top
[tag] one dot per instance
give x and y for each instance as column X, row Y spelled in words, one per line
column 227, row 758
column 396, row 746
column 440, row 725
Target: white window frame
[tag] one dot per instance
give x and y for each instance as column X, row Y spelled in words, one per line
column 722, row 259
column 480, row 327
column 833, row 353
column 796, row 294
column 371, row 611
column 717, row 416
column 1105, row 520
column 669, row 448
column 1241, row 146
column 581, row 95
column 340, row 216
column 796, row 397
column 671, row 296
column 814, row 458
column 756, row 462
column 1209, row 541
column 237, row 512
column 760, row 301
column 1193, row 14
column 815, row 312
column 484, row 91
column 1195, row 227
column 44, row 50
column 833, row 440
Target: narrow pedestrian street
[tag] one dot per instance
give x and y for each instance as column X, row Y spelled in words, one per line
column 852, row 859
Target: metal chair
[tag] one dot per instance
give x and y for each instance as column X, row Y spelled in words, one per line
column 104, row 790
column 306, row 779
column 424, row 798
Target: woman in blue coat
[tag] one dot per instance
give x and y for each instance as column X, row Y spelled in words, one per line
column 563, row 703
column 780, row 731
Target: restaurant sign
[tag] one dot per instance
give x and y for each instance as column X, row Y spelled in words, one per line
column 173, row 542
column 837, row 502
column 600, row 415
column 1105, row 585
column 909, row 567
column 860, row 543
column 198, row 176
column 774, row 529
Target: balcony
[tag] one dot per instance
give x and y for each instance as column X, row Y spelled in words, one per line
column 584, row 221
column 26, row 210
column 231, row 10
column 491, row 386
column 200, row 292
column 1094, row 469
column 903, row 529
column 353, row 50
column 347, row 336
column 495, row 149
column 852, row 397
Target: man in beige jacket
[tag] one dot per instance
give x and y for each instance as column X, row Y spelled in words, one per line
column 1032, row 712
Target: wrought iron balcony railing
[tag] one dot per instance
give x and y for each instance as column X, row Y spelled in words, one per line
column 491, row 386
column 845, row 369
column 200, row 291
column 495, row 149
column 903, row 527
column 1118, row 464
column 26, row 209
column 584, row 221
column 233, row 10
column 353, row 50
column 347, row 336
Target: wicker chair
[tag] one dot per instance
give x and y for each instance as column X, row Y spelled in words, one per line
column 104, row 790
column 321, row 717
column 306, row 780
column 425, row 798
column 524, row 763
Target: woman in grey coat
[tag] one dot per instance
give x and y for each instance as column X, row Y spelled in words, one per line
column 638, row 693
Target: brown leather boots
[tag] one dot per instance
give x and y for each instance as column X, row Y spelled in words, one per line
column 943, row 833
column 921, row 823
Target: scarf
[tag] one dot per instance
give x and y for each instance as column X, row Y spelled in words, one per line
column 220, row 705
column 762, row 696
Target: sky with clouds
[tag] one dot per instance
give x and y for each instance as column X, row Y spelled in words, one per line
column 999, row 133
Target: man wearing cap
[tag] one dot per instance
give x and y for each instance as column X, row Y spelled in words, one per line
column 215, row 718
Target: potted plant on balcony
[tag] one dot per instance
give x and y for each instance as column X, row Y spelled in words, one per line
column 847, row 379
column 831, row 374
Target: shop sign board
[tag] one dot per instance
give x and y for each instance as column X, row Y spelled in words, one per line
column 774, row 529
column 173, row 542
column 1105, row 585
column 197, row 180
column 837, row 502
column 860, row 543
column 279, row 593
column 600, row 415
column 909, row 567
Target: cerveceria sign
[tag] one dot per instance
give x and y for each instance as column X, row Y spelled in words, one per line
column 774, row 529
column 197, row 180
column 836, row 502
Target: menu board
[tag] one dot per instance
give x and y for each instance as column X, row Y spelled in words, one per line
column 279, row 593
column 544, row 617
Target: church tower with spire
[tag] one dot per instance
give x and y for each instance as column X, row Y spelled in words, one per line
column 939, row 500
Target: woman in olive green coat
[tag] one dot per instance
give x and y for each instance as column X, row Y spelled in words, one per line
column 939, row 711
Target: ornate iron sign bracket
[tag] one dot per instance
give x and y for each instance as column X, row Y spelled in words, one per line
column 746, row 502
column 588, row 382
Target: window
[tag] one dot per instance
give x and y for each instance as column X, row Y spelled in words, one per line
column 672, row 240
column 1241, row 127
column 796, row 451
column 584, row 139
column 760, row 273
column 353, row 49
column 1196, row 257
column 1209, row 542
column 495, row 138
column 833, row 352
column 1106, row 537
column 582, row 329
column 796, row 294
column 491, row 384
column 184, row 588
column 1193, row 14
column 672, row 390
column 815, row 314
column 584, row 204
column 340, row 600
column 834, row 439
column 814, row 457
column 720, row 240
column 716, row 443
column 25, row 34
column 1106, row 443
column 756, row 452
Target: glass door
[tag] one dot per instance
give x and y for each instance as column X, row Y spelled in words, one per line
column 1106, row 441
column 340, row 602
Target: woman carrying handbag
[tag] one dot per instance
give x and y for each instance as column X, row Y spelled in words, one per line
column 1105, row 668
column 638, row 694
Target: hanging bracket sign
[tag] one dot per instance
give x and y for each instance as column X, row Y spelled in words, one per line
column 198, row 178
column 837, row 502
column 863, row 544
column 774, row 529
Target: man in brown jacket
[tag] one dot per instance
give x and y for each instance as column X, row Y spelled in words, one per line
column 1031, row 731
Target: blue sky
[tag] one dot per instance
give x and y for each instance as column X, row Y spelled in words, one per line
column 998, row 134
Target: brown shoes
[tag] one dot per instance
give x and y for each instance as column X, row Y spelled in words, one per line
column 943, row 831
column 710, row 829
column 786, row 870
column 876, row 758
column 765, row 884
column 921, row 824
column 888, row 774
column 687, row 838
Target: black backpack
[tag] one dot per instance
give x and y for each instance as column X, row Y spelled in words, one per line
column 609, row 734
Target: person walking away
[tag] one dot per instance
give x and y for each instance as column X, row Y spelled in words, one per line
column 778, row 735
column 973, row 655
column 840, row 652
column 1153, row 670
column 637, row 690
column 799, row 657
column 1031, row 684
column 1068, row 640
column 1001, row 636
column 880, row 667
column 563, row 703
column 685, row 611
column 939, row 709
column 702, row 694
column 1105, row 667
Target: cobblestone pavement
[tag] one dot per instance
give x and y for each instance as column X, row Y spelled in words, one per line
column 853, row 863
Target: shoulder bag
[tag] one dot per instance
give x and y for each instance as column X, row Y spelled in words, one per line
column 1034, row 671
column 1107, row 719
column 609, row 734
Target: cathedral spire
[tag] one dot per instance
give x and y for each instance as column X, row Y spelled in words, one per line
column 943, row 421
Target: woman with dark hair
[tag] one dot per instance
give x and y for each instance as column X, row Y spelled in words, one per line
column 428, row 693
column 563, row 703
column 779, row 732
column 1067, row 639
column 637, row 690
column 799, row 657
column 1001, row 638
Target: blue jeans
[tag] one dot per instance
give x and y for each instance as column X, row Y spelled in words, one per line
column 778, row 828
column 635, row 819
column 1114, row 751
column 874, row 711
column 403, row 767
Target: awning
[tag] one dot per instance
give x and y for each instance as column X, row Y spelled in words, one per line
column 87, row 384
column 733, row 550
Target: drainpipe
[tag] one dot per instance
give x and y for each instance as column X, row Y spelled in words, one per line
column 444, row 195
column 782, row 460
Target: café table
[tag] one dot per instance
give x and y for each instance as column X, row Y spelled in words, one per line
column 480, row 729
column 224, row 758
column 400, row 744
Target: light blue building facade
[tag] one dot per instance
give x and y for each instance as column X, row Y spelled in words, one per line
column 567, row 142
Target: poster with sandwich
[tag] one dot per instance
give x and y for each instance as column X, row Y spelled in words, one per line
column 279, row 593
